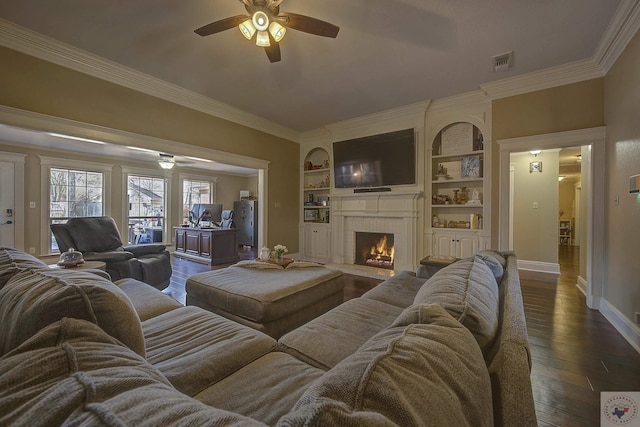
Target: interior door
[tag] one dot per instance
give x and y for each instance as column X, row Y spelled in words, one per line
column 7, row 208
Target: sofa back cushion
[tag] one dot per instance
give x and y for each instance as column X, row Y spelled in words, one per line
column 495, row 261
column 422, row 373
column 468, row 290
column 12, row 261
column 73, row 373
column 94, row 234
column 34, row 299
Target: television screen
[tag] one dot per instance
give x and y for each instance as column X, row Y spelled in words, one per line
column 378, row 160
column 210, row 212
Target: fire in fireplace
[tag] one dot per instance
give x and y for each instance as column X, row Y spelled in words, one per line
column 374, row 250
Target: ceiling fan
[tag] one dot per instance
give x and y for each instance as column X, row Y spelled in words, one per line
column 270, row 24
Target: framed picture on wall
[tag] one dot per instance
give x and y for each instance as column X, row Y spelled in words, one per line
column 535, row 167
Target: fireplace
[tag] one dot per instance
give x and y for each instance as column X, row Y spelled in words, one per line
column 374, row 250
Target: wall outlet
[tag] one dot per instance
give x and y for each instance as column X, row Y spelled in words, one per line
column 32, row 205
column 32, row 251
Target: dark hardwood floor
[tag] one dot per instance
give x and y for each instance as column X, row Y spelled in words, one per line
column 576, row 353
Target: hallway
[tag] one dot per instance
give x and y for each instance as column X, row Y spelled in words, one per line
column 576, row 352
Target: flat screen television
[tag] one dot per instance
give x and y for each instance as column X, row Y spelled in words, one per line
column 208, row 212
column 376, row 161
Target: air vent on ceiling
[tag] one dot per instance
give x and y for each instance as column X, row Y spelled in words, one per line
column 503, row 62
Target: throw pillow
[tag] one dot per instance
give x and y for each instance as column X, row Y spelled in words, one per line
column 468, row 290
column 34, row 299
column 428, row 374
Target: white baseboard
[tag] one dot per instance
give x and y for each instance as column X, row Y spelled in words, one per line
column 539, row 267
column 627, row 329
column 582, row 285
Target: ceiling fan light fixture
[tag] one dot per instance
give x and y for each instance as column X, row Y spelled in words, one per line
column 277, row 31
column 247, row 29
column 260, row 20
column 166, row 161
column 263, row 39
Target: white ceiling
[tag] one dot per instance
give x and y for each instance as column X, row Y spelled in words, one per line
column 388, row 53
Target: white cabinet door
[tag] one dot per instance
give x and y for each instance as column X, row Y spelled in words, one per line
column 444, row 244
column 459, row 245
column 316, row 243
column 466, row 245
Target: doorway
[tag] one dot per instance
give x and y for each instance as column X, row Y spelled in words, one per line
column 12, row 200
column 592, row 191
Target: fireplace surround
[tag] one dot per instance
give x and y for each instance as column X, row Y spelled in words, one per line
column 395, row 213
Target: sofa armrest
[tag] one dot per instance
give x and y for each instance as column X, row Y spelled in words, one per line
column 140, row 250
column 110, row 256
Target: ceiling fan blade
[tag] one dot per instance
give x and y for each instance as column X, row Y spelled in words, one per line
column 221, row 25
column 274, row 3
column 273, row 51
column 309, row 25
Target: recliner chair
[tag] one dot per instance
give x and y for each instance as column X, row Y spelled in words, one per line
column 99, row 239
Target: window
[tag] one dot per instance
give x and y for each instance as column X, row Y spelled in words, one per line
column 194, row 191
column 73, row 193
column 147, row 203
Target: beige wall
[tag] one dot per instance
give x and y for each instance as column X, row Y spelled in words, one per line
column 32, row 84
column 535, row 235
column 566, row 198
column 569, row 107
column 622, row 227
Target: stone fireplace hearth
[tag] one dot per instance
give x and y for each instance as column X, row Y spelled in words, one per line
column 392, row 213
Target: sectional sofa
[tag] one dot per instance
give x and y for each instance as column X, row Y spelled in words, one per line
column 77, row 349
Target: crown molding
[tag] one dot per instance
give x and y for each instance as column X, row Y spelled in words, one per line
column 40, row 46
column 624, row 25
column 384, row 121
column 561, row 75
column 457, row 102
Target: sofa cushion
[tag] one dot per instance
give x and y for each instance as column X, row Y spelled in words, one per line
column 73, row 373
column 94, row 234
column 399, row 290
column 34, row 299
column 468, row 290
column 281, row 377
column 147, row 300
column 194, row 348
column 12, row 261
column 326, row 340
column 495, row 261
column 428, row 374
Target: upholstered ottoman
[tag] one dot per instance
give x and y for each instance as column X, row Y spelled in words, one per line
column 274, row 301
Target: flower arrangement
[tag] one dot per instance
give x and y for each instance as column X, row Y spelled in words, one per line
column 280, row 251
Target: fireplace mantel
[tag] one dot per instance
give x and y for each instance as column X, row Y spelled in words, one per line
column 397, row 213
